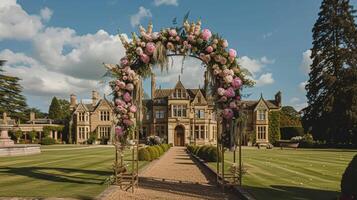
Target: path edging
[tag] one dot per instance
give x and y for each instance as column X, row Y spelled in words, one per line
column 243, row 193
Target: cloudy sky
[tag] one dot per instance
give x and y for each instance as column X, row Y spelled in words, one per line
column 57, row 47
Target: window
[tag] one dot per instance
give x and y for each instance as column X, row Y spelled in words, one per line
column 160, row 131
column 202, row 131
column 104, row 115
column 261, row 115
column 179, row 93
column 197, row 132
column 82, row 117
column 262, row 132
column 200, row 114
column 159, row 114
column 214, row 132
column 148, row 116
column 83, row 132
column 179, row 110
column 104, row 131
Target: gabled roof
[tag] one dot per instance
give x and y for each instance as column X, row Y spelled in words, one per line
column 88, row 107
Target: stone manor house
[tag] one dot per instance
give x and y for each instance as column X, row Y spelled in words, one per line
column 178, row 115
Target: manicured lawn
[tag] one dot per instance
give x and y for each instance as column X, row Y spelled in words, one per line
column 77, row 173
column 293, row 174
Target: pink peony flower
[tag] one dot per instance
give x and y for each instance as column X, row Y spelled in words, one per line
column 221, row 91
column 232, row 53
column 228, row 113
column 177, row 38
column 223, row 99
column 229, row 92
column 191, row 38
column 225, row 44
column 145, row 58
column 206, row 34
column 128, row 122
column 237, row 82
column 139, row 51
column 233, row 105
column 216, row 72
column 173, row 32
column 119, row 131
column 127, row 97
column 121, row 84
column 124, row 61
column 119, row 102
column 129, row 86
column 116, row 88
column 238, row 98
column 125, row 78
column 228, row 79
column 209, row 49
column 223, row 60
column 150, row 48
column 133, row 109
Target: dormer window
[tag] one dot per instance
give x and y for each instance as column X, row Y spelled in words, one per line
column 82, row 117
column 104, row 115
column 179, row 93
column 261, row 114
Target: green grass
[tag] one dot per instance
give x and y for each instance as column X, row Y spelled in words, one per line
column 77, row 173
column 63, row 146
column 293, row 174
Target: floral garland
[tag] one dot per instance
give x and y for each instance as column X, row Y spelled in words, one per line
column 151, row 48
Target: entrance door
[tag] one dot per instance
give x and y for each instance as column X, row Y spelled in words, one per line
column 179, row 136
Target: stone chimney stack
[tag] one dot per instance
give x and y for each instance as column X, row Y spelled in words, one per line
column 95, row 97
column 278, row 99
column 153, row 85
column 73, row 101
column 32, row 116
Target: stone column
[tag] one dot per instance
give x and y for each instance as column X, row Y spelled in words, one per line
column 55, row 135
column 51, row 134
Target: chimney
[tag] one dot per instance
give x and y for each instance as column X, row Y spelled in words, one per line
column 95, row 97
column 153, row 85
column 32, row 116
column 73, row 101
column 278, row 99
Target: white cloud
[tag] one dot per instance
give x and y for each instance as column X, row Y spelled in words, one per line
column 142, row 13
column 255, row 67
column 302, row 86
column 264, row 79
column 294, row 100
column 166, row 2
column 300, row 106
column 192, row 74
column 267, row 35
column 46, row 14
column 15, row 23
column 306, row 61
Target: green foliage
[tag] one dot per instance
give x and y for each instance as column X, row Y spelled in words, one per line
column 289, row 117
column 47, row 141
column 154, row 154
column 332, row 86
column 47, row 130
column 144, row 155
column 92, row 138
column 104, row 140
column 349, row 179
column 274, row 126
column 208, row 153
column 11, row 99
column 16, row 135
column 165, row 147
column 159, row 150
column 288, row 132
column 32, row 135
column 307, row 141
column 54, row 111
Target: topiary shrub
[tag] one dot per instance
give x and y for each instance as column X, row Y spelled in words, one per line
column 159, row 150
column 164, row 147
column 190, row 148
column 48, row 141
column 203, row 152
column 349, row 180
column 144, row 155
column 196, row 149
column 213, row 154
column 154, row 154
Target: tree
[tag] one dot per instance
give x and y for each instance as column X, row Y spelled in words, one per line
column 11, row 99
column 54, row 111
column 334, row 54
column 274, row 126
column 289, row 117
column 65, row 110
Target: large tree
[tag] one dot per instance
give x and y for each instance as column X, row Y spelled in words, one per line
column 289, row 117
column 334, row 54
column 11, row 99
column 54, row 111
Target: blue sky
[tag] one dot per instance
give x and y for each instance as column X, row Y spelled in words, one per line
column 57, row 47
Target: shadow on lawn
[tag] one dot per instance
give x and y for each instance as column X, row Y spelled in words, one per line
column 278, row 192
column 79, row 176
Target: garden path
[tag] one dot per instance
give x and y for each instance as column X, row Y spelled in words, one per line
column 176, row 176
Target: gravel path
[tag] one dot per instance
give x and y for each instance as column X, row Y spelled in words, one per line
column 175, row 176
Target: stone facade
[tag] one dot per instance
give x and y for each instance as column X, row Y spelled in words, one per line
column 179, row 115
column 95, row 117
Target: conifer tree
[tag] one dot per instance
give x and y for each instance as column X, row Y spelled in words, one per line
column 334, row 54
column 54, row 111
column 11, row 100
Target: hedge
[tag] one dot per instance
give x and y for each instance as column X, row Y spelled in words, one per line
column 207, row 152
column 274, row 126
column 47, row 141
column 144, row 155
column 150, row 153
column 159, row 150
column 288, row 132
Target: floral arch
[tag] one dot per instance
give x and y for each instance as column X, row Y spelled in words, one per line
column 153, row 48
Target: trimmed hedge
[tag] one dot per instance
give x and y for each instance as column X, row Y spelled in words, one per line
column 47, row 141
column 288, row 132
column 150, row 153
column 207, row 153
column 144, row 155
